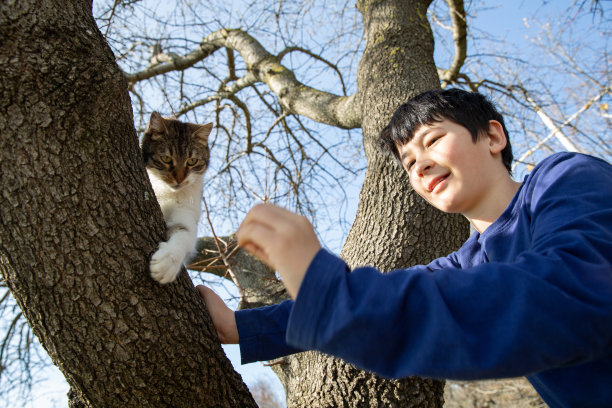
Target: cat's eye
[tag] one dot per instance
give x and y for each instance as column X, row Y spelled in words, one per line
column 192, row 161
column 165, row 158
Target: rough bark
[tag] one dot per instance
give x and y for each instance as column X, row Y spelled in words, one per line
column 79, row 222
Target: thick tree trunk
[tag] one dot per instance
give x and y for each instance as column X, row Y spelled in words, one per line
column 393, row 227
column 79, row 222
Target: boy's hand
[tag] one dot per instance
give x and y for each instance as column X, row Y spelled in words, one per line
column 283, row 240
column 222, row 316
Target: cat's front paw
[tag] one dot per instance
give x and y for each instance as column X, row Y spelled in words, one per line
column 165, row 264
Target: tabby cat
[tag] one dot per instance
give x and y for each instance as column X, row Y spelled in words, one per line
column 176, row 156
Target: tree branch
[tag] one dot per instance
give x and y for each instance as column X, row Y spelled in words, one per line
column 457, row 13
column 556, row 130
column 258, row 283
column 175, row 63
column 318, row 58
column 295, row 97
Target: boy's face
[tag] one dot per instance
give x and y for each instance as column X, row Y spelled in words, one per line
column 448, row 169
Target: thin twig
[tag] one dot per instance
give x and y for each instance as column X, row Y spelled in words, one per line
column 222, row 253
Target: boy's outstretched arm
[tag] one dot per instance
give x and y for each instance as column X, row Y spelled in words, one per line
column 283, row 240
column 222, row 316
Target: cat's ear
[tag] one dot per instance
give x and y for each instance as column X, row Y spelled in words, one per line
column 157, row 125
column 202, row 132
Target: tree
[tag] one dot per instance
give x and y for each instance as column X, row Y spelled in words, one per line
column 80, row 216
column 79, row 221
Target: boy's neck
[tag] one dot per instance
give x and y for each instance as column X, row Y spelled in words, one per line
column 496, row 203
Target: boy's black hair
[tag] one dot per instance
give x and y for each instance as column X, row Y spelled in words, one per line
column 468, row 109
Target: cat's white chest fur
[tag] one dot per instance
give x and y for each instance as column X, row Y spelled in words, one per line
column 181, row 209
column 188, row 197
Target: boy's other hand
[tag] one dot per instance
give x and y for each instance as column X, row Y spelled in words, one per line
column 222, row 316
column 283, row 240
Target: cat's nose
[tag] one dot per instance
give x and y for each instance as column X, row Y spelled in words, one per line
column 179, row 175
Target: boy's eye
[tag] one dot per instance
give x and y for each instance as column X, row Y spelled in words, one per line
column 430, row 142
column 433, row 140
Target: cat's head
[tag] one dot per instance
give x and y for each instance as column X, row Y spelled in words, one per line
column 176, row 152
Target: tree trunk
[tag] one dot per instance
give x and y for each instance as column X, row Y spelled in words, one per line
column 393, row 226
column 80, row 221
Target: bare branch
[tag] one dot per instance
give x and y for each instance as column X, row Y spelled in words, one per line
column 557, row 129
column 318, row 58
column 457, row 13
column 175, row 63
column 297, row 98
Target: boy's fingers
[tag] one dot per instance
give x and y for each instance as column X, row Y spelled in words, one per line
column 258, row 238
column 201, row 289
column 204, row 291
column 259, row 253
column 268, row 214
column 261, row 234
column 279, row 221
column 207, row 294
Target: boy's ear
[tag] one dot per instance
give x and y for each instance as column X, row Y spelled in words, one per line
column 497, row 137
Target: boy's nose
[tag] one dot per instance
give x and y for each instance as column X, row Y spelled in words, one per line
column 422, row 166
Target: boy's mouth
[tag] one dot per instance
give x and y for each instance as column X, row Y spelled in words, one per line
column 434, row 183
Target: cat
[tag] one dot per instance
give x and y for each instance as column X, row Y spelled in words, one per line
column 176, row 155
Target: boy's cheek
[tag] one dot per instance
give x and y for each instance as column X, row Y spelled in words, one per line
column 417, row 188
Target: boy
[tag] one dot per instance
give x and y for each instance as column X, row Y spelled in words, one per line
column 529, row 293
